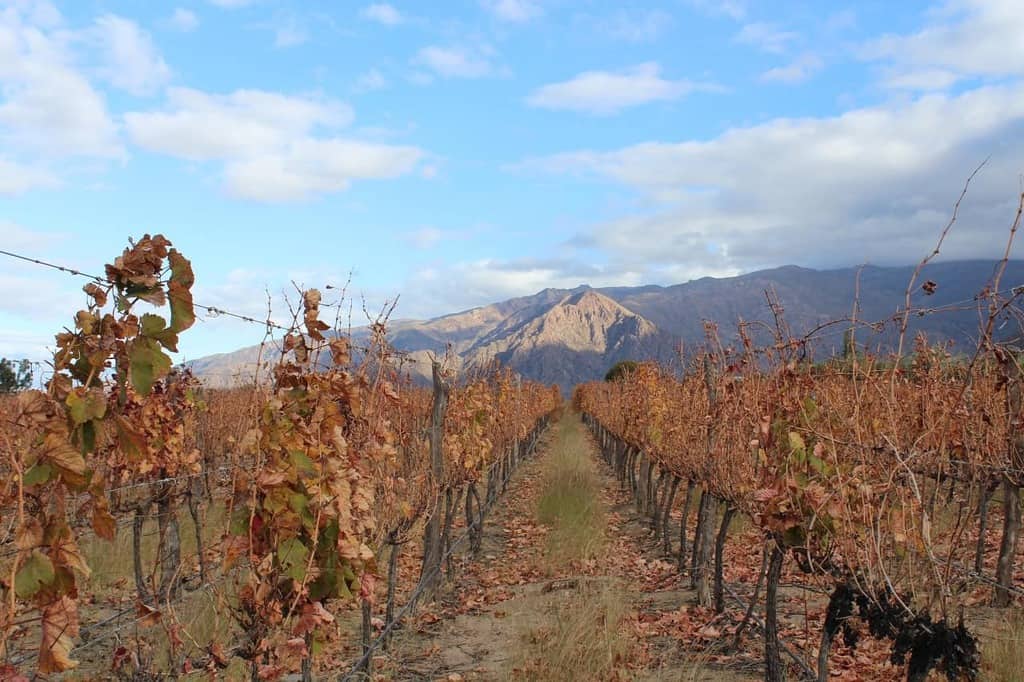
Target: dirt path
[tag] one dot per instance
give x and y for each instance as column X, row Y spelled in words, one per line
column 568, row 586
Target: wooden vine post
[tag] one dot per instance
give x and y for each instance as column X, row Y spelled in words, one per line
column 702, row 543
column 1011, row 481
column 432, row 549
column 774, row 670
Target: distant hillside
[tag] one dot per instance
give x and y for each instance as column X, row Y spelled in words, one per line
column 572, row 340
column 566, row 336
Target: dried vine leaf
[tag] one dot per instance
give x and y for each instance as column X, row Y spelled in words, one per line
column 60, row 628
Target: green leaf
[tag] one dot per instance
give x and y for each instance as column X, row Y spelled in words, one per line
column 301, row 461
column 796, row 442
column 40, row 473
column 36, row 572
column 810, row 408
column 86, row 407
column 816, row 463
column 87, row 437
column 181, row 269
column 298, row 502
column 797, row 448
column 239, row 521
column 329, row 535
column 292, row 555
column 151, row 324
column 155, row 327
column 325, row 586
column 148, row 364
column 154, row 294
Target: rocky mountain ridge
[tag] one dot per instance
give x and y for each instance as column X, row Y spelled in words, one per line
column 566, row 336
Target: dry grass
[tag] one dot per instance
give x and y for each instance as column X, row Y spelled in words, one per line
column 228, row 413
column 1003, row 651
column 199, row 617
column 569, row 503
column 582, row 638
column 112, row 563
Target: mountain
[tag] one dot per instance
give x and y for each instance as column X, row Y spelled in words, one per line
column 814, row 297
column 565, row 336
column 574, row 339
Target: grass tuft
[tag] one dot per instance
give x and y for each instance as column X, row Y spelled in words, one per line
column 1003, row 652
column 584, row 639
column 569, row 503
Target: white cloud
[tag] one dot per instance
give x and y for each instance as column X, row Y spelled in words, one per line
column 633, row 26
column 513, row 11
column 23, row 344
column 17, row 179
column 272, row 145
column 966, row 38
column 455, row 62
column 797, row 71
column 608, row 92
column 921, row 79
column 874, row 184
column 40, row 13
column 370, row 81
column 130, row 60
column 383, row 13
column 312, row 167
column 434, row 290
column 48, row 107
column 231, row 4
column 16, row 238
column 425, row 237
column 184, row 20
column 34, row 302
column 765, row 36
column 734, row 9
column 289, row 33
column 201, row 126
column 840, row 21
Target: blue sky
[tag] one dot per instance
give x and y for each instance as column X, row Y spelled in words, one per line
column 457, row 153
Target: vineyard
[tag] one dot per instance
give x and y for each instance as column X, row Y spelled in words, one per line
column 293, row 527
column 294, row 489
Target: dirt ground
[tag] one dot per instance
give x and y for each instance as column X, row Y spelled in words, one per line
column 502, row 614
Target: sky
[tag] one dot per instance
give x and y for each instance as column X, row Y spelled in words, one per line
column 460, row 152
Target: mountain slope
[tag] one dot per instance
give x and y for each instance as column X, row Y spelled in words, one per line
column 565, row 336
column 573, row 340
column 813, row 297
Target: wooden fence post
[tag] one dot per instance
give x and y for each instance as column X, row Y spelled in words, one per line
column 432, row 549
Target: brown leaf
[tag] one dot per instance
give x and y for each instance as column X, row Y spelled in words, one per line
column 269, row 479
column 103, row 522
column 30, row 536
column 98, row 293
column 60, row 627
column 339, row 350
column 66, row 552
column 147, row 614
column 65, row 458
column 35, row 405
